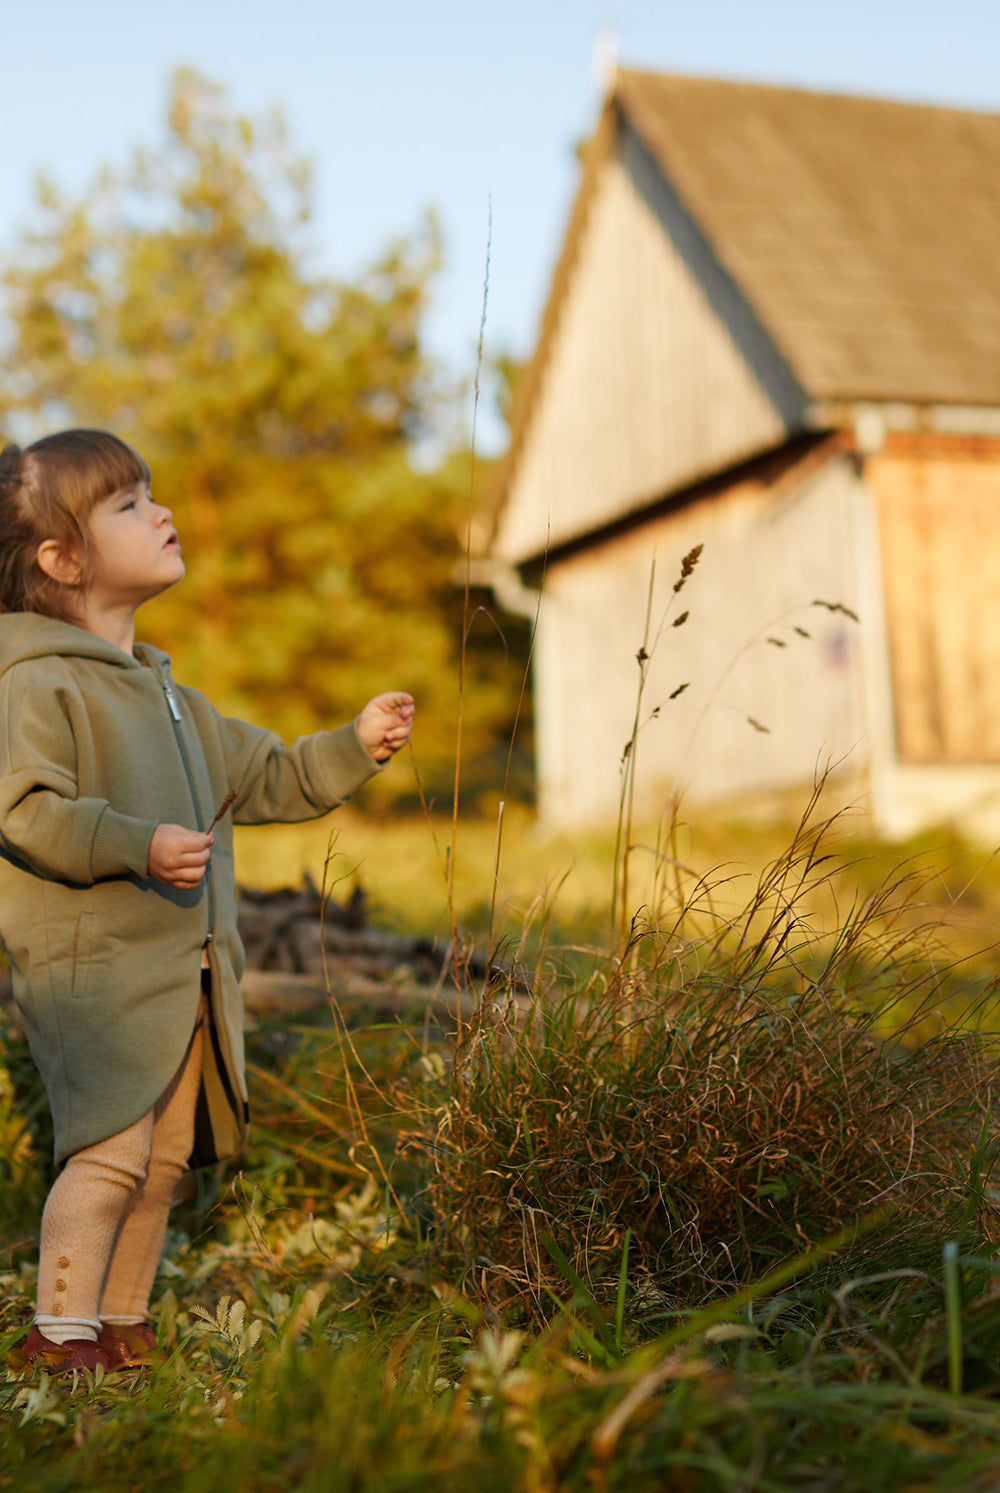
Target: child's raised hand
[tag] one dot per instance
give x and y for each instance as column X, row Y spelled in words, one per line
column 385, row 724
column 179, row 856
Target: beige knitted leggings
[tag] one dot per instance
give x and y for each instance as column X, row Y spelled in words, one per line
column 105, row 1218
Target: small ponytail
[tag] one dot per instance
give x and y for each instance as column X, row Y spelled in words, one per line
column 48, row 490
column 11, row 462
column 20, row 574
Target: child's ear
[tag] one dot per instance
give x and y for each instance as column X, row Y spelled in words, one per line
column 59, row 563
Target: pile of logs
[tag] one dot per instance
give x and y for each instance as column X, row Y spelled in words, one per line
column 302, row 948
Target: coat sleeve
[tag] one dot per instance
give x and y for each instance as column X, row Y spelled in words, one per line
column 275, row 783
column 43, row 823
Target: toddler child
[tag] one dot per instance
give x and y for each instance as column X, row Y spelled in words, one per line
column 117, row 893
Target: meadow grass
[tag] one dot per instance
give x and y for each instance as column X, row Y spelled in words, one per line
column 712, row 1209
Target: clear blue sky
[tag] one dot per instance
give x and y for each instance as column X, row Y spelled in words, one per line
column 402, row 105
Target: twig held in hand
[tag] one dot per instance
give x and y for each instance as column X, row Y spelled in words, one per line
column 226, row 803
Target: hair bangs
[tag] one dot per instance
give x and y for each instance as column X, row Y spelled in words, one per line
column 86, row 466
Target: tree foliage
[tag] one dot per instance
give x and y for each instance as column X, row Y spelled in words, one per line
column 174, row 303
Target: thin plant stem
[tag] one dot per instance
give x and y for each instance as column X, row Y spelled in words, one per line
column 452, row 853
column 626, row 804
column 493, row 895
column 626, row 798
column 953, row 1301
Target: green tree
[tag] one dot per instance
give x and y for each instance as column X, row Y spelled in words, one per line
column 174, row 304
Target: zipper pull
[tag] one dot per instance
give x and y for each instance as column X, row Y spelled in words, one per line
column 168, row 690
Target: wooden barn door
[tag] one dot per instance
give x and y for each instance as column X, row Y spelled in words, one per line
column 939, row 523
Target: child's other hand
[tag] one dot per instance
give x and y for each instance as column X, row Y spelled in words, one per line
column 385, row 724
column 179, row 856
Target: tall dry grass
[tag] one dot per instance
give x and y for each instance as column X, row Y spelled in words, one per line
column 726, row 1091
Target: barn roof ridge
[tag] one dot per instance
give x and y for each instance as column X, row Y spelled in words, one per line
column 624, row 71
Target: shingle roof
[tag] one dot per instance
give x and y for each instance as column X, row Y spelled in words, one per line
column 864, row 233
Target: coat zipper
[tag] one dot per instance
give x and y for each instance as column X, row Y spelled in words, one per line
column 168, row 690
column 175, row 716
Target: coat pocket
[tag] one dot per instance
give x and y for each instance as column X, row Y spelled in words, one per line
column 83, row 946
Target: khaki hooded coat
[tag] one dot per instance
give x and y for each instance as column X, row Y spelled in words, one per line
column 96, row 749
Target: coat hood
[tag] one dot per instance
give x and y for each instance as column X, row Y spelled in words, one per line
column 26, row 635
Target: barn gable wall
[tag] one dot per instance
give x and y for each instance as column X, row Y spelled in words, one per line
column 657, row 372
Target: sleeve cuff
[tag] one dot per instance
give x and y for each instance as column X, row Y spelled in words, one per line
column 121, row 844
column 342, row 762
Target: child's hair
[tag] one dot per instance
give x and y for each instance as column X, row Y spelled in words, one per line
column 48, row 490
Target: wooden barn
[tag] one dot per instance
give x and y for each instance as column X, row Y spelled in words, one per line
column 774, row 331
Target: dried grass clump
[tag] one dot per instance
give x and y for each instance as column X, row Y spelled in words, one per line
column 724, row 1096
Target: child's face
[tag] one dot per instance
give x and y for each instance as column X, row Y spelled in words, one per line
column 136, row 552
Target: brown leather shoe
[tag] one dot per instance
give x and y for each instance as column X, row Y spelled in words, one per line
column 38, row 1351
column 129, row 1345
